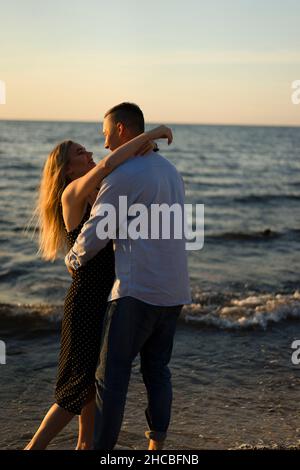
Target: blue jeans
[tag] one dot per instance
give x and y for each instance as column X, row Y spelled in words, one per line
column 131, row 327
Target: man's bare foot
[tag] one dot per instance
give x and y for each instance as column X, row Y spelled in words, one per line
column 156, row 445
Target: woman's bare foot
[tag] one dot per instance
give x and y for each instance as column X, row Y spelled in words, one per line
column 83, row 446
column 55, row 420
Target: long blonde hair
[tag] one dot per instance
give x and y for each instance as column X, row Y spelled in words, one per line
column 48, row 210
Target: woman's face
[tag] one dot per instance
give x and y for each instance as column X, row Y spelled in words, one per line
column 80, row 161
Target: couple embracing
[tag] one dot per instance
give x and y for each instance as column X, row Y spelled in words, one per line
column 126, row 293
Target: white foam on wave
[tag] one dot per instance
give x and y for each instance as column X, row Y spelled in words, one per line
column 251, row 311
column 220, row 310
column 49, row 313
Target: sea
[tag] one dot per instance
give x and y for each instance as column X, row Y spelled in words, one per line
column 234, row 378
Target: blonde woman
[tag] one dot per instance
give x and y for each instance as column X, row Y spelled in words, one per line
column 69, row 186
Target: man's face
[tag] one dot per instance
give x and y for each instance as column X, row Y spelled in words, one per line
column 112, row 134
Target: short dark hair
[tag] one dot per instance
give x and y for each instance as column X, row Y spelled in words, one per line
column 129, row 114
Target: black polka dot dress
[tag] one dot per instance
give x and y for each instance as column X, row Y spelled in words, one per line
column 84, row 310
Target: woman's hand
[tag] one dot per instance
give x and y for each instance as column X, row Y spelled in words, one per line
column 161, row 132
column 149, row 146
column 71, row 271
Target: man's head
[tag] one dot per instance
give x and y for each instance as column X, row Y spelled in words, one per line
column 121, row 124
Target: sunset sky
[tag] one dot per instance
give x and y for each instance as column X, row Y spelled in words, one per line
column 193, row 61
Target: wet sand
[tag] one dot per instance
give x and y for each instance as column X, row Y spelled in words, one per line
column 231, row 390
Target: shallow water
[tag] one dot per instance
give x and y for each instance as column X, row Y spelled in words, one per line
column 231, row 389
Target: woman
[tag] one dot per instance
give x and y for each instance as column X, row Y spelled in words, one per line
column 68, row 189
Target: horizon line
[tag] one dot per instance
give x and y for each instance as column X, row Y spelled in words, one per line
column 158, row 122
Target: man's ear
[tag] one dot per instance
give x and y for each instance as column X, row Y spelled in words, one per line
column 121, row 128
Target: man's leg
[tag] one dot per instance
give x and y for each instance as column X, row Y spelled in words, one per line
column 155, row 357
column 128, row 324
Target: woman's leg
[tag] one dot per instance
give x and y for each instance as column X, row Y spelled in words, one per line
column 86, row 425
column 55, row 420
column 155, row 445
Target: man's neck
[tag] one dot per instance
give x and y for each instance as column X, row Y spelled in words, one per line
column 130, row 137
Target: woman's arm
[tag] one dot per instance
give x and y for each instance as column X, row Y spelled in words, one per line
column 79, row 189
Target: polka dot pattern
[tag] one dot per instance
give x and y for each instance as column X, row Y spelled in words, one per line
column 84, row 310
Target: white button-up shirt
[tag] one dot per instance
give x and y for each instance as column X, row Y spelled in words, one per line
column 152, row 270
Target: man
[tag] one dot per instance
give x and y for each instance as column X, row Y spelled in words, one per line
column 150, row 288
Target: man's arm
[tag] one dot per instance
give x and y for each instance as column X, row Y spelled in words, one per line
column 87, row 244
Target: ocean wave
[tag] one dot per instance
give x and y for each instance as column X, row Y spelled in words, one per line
column 256, row 236
column 21, row 165
column 263, row 198
column 12, row 274
column 227, row 199
column 266, row 234
column 257, row 310
column 29, row 318
column 209, row 309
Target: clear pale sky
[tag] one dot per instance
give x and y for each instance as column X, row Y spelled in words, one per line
column 216, row 61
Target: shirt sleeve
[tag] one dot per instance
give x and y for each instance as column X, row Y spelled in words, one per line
column 89, row 242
